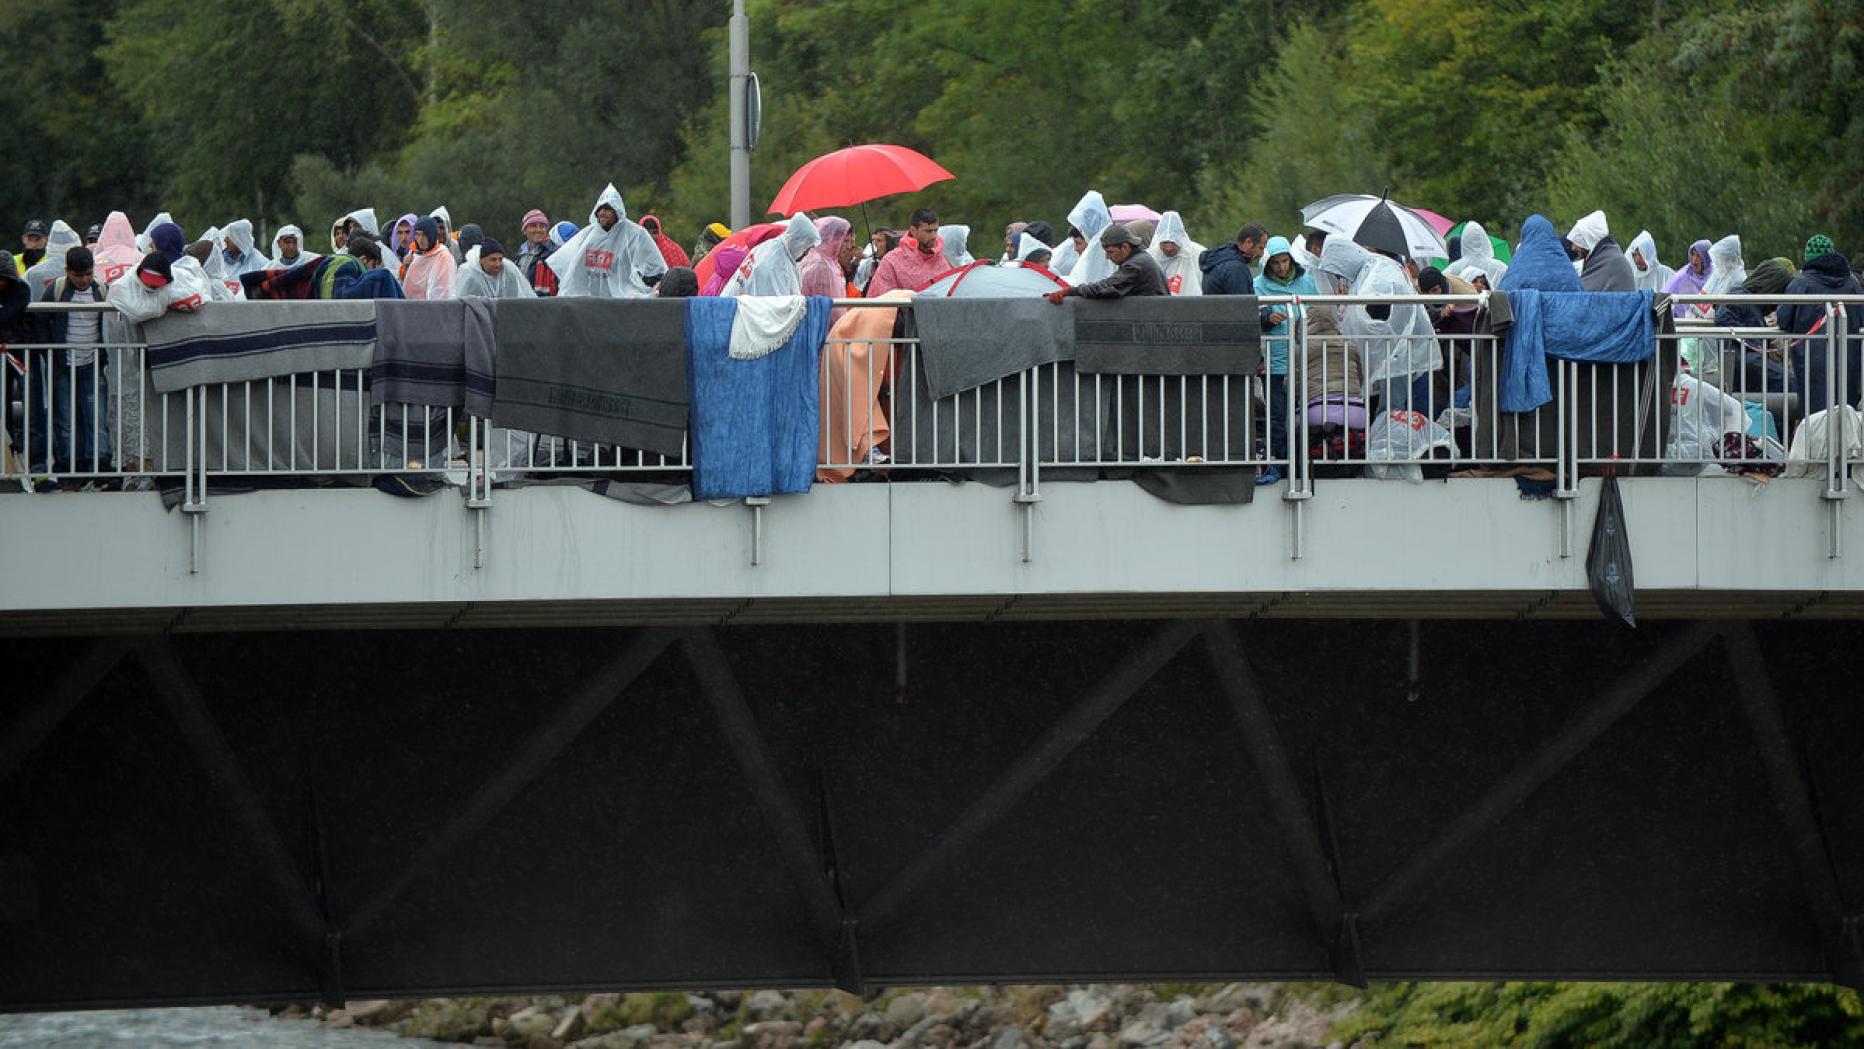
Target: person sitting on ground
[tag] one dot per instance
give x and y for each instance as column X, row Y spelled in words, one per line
column 1137, row 273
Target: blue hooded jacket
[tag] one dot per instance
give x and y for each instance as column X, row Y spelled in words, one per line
column 1299, row 282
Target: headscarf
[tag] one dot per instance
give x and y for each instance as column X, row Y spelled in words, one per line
column 952, row 243
column 116, row 248
column 1539, row 263
column 670, row 251
column 1686, row 281
column 726, row 261
column 1819, row 244
column 1180, row 270
column 821, row 268
column 1028, row 244
column 143, row 243
column 1730, row 272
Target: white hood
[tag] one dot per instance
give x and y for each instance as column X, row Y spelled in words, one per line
column 143, row 244
column 46, row 271
column 1587, row 232
column 1182, row 276
column 1478, row 257
column 305, row 254
column 954, row 238
column 1401, row 345
column 1027, row 245
column 1730, row 272
column 470, row 281
column 1091, row 217
column 771, row 268
column 609, row 263
column 1655, row 276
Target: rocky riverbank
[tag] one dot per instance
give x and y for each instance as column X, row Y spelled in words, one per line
column 1125, row 1016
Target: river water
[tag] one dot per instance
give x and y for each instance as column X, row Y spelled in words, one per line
column 161, row 1028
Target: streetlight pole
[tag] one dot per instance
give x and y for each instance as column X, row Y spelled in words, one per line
column 740, row 31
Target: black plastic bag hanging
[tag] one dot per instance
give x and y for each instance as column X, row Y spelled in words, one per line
column 1608, row 560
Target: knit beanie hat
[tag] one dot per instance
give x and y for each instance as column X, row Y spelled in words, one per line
column 533, row 215
column 1819, row 244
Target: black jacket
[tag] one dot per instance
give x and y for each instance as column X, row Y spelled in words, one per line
column 1138, row 275
column 1825, row 275
column 1226, row 272
column 53, row 326
column 14, row 298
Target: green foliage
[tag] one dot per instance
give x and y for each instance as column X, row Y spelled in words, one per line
column 1691, row 121
column 1608, row 1015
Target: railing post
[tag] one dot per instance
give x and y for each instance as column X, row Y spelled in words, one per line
column 1028, row 461
column 1837, row 467
column 194, row 480
column 1566, row 454
column 478, row 482
column 1300, row 469
column 757, row 504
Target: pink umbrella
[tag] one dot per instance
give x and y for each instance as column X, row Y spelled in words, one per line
column 1132, row 213
column 1436, row 221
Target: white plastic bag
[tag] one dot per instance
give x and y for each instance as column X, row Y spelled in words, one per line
column 1699, row 415
column 1399, row 436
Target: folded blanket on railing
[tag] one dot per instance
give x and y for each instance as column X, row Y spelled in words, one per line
column 436, row 352
column 610, row 371
column 754, row 422
column 238, row 341
column 965, row 343
column 1600, row 327
column 1167, row 335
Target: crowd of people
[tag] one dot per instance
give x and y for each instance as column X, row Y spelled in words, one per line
column 611, row 254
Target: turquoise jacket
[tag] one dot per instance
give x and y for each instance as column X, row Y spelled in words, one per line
column 1299, row 282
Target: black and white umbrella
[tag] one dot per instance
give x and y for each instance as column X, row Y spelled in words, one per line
column 1376, row 222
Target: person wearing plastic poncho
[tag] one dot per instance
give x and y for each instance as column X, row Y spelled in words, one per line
column 116, row 252
column 364, row 218
column 299, row 254
column 1652, row 276
column 1478, row 259
column 773, row 267
column 235, row 254
column 1177, row 255
column 1605, row 267
column 1397, row 342
column 45, row 273
column 431, row 269
column 448, row 233
column 1729, row 273
column 610, row 257
column 952, row 242
column 1091, row 217
column 488, row 274
column 143, row 244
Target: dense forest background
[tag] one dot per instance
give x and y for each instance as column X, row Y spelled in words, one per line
column 1692, row 120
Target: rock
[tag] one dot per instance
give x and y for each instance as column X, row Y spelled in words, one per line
column 489, row 1040
column 1217, row 1038
column 866, row 1044
column 541, row 1041
column 1141, row 1035
column 765, row 1005
column 570, row 1027
column 870, row 1027
column 1257, row 997
column 611, row 1040
column 1093, row 1012
column 917, row 1032
column 1007, row 1038
column 339, row 1020
column 1101, row 1041
column 771, row 1034
column 906, row 1010
column 700, row 1003
column 532, row 1020
column 1079, row 1041
column 593, row 1003
column 1180, row 1012
column 940, row 1036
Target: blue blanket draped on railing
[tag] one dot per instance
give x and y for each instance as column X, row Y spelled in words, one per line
column 754, row 422
column 1600, row 327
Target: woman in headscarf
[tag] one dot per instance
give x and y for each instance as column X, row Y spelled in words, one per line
column 1652, row 276
column 1729, row 272
column 725, row 263
column 772, row 267
column 430, row 267
column 710, row 237
column 669, row 250
column 822, row 267
column 1177, row 256
column 1691, row 279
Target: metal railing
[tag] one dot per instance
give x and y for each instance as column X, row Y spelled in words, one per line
column 1358, row 394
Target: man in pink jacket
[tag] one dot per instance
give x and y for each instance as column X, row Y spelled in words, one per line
column 916, row 262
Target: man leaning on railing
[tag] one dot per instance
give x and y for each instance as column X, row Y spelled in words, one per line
column 80, row 386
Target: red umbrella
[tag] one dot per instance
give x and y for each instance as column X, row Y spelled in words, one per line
column 856, row 175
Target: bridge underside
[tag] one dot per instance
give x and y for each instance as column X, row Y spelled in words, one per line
column 263, row 816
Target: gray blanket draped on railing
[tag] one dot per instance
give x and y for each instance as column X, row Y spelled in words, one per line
column 241, row 341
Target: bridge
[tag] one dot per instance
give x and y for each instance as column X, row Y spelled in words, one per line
column 995, row 714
